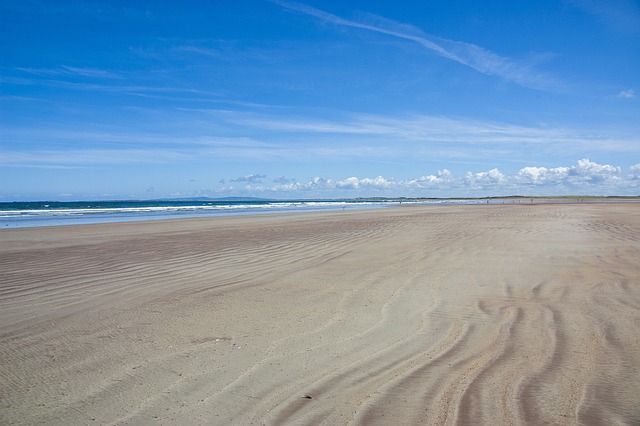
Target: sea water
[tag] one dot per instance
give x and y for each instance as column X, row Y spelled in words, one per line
column 55, row 213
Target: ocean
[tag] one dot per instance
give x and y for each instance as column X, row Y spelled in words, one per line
column 56, row 213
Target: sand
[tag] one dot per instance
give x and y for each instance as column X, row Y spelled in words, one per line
column 489, row 314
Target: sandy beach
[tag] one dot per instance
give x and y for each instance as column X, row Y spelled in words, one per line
column 485, row 314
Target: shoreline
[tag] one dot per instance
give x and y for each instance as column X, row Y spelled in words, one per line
column 102, row 211
column 492, row 314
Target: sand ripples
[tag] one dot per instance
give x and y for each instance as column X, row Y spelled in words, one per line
column 441, row 315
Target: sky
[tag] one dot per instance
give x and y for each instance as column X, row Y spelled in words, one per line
column 318, row 99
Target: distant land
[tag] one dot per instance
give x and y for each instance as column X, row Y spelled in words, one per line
column 346, row 199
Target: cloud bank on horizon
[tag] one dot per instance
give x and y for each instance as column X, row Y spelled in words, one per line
column 584, row 177
column 313, row 99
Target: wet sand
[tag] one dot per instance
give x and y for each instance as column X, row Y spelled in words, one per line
column 486, row 314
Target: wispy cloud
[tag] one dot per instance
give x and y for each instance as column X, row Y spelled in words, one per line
column 621, row 16
column 69, row 71
column 95, row 81
column 435, row 130
column 123, row 147
column 62, row 137
column 468, row 54
column 277, row 136
column 199, row 50
column 59, row 78
column 77, row 158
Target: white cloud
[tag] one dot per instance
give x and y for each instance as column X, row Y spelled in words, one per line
column 584, row 173
column 471, row 55
column 591, row 171
column 627, row 94
column 634, row 175
column 430, row 181
column 541, row 175
column 492, row 177
column 377, row 183
column 585, row 177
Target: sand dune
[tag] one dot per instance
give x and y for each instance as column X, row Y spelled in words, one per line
column 490, row 314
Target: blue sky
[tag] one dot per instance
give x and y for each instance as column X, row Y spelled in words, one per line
column 108, row 99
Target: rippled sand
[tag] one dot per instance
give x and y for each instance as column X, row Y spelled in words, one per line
column 490, row 314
